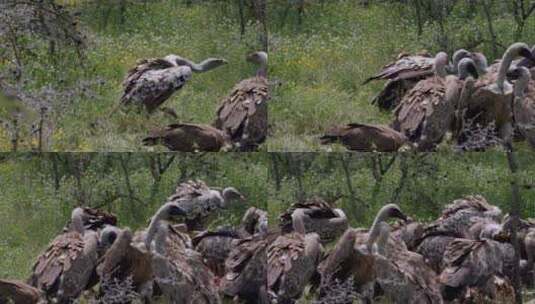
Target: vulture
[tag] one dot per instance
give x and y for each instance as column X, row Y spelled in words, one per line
column 65, row 269
column 125, row 259
column 402, row 276
column 403, row 74
column 244, row 114
column 524, row 103
column 320, row 217
column 19, row 293
column 455, row 222
column 474, row 272
column 153, row 81
column 215, row 246
column 426, row 112
column 529, row 63
column 179, row 272
column 365, row 137
column 200, row 202
column 186, row 137
column 292, row 261
column 246, row 269
column 491, row 100
column 353, row 257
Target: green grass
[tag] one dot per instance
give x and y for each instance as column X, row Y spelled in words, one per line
column 339, row 45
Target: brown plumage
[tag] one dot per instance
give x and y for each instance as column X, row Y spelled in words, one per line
column 215, row 246
column 471, row 264
column 246, row 269
column 402, row 75
column 491, row 101
column 189, row 138
column 243, row 114
column 153, row 81
column 292, row 260
column 365, row 137
column 127, row 259
column 19, row 293
column 321, row 217
column 201, row 202
column 524, row 103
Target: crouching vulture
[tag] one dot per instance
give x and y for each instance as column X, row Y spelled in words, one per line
column 244, row 114
column 19, row 293
column 186, row 137
column 365, row 137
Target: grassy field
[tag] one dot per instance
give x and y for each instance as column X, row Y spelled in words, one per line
column 156, row 30
column 338, row 46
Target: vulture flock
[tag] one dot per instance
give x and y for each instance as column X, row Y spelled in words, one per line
column 241, row 119
column 464, row 256
column 467, row 101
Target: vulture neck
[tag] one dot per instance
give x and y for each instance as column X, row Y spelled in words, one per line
column 262, row 69
column 204, row 66
column 77, row 218
column 160, row 240
column 506, row 62
column 521, row 84
column 375, row 230
column 298, row 222
column 382, row 240
column 155, row 225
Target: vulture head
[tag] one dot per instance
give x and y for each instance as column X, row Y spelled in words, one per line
column 108, row 235
column 467, row 67
column 481, row 62
column 77, row 220
column 231, row 194
column 518, row 49
column 392, row 211
column 521, row 76
column 440, row 63
column 456, row 59
column 260, row 58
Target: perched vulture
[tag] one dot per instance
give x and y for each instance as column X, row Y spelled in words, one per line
column 353, row 256
column 215, row 246
column 200, row 202
column 404, row 74
column 243, row 114
column 427, row 112
column 189, row 138
column 153, row 81
column 320, row 217
column 65, row 269
column 19, row 293
column 365, row 137
column 491, row 101
column 292, row 261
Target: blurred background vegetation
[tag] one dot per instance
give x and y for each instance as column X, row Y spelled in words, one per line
column 40, row 191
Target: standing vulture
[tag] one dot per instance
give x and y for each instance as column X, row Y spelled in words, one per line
column 404, row 74
column 243, row 114
column 64, row 270
column 353, row 256
column 365, row 137
column 491, row 101
column 215, row 246
column 153, row 81
column 320, row 217
column 292, row 261
column 178, row 270
column 200, row 202
column 426, row 113
column 19, row 293
column 186, row 137
column 524, row 103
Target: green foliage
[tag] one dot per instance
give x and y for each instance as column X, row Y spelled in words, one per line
column 34, row 209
